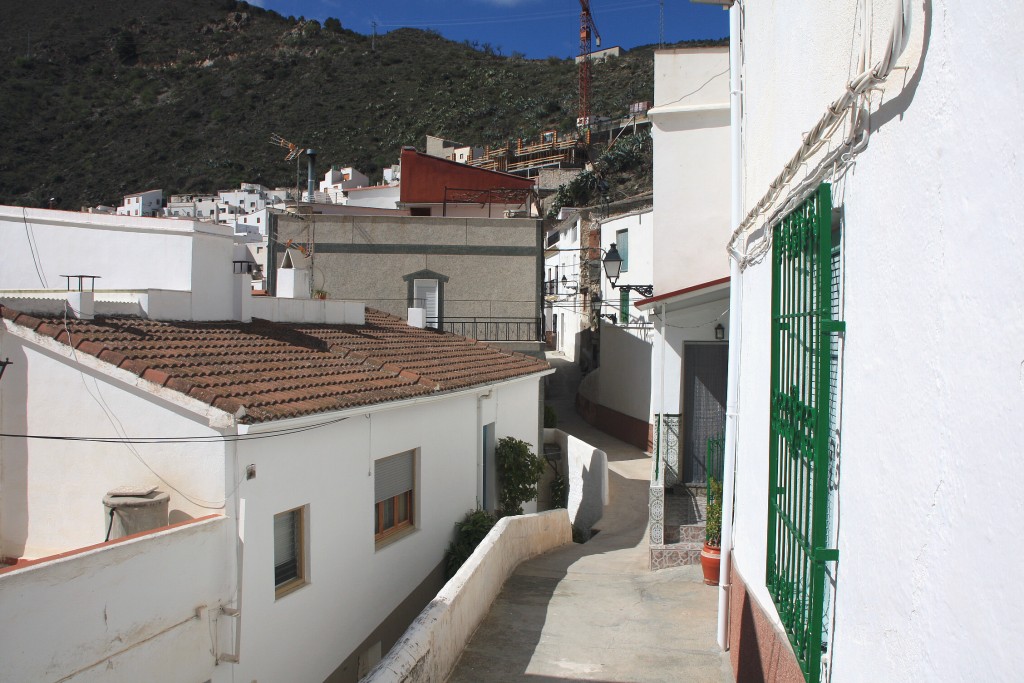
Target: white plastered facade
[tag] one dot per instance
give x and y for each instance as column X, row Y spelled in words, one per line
column 932, row 371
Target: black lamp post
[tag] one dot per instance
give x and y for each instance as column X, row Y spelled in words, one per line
column 612, row 267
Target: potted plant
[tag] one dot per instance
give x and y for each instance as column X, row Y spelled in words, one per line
column 319, row 294
column 711, row 555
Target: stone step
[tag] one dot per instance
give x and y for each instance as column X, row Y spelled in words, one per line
column 684, row 533
column 675, row 555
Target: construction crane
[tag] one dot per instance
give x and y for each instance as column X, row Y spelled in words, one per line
column 588, row 29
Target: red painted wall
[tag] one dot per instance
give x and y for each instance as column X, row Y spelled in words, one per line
column 424, row 178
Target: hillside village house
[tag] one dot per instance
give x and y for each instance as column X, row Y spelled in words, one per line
column 305, row 460
column 618, row 395
column 474, row 276
column 877, row 335
column 564, row 314
column 148, row 203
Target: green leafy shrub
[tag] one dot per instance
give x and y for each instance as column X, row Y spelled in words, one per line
column 713, row 530
column 550, row 417
column 519, row 472
column 469, row 533
column 559, row 492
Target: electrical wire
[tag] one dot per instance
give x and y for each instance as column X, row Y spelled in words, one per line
column 692, row 92
column 33, row 249
column 852, row 100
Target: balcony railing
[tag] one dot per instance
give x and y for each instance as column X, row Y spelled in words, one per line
column 495, row 329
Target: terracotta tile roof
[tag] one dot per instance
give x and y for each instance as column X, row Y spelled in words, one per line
column 277, row 370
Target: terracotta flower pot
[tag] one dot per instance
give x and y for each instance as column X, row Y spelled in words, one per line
column 710, row 557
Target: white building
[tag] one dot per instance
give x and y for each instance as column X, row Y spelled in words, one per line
column 340, row 178
column 566, row 308
column 148, row 203
column 677, row 366
column 279, row 445
column 881, row 269
column 201, row 207
column 372, row 197
column 618, row 395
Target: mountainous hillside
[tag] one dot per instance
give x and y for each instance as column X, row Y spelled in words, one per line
column 103, row 97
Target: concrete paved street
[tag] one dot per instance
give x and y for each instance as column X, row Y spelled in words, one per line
column 594, row 611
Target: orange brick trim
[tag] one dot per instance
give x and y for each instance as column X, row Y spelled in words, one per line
column 758, row 650
column 21, row 563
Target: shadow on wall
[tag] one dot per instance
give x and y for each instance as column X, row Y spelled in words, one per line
column 503, row 646
column 624, row 384
column 586, row 470
column 758, row 650
column 14, row 510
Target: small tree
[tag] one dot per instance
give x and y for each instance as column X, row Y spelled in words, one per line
column 519, row 472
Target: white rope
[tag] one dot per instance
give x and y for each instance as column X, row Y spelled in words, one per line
column 833, row 117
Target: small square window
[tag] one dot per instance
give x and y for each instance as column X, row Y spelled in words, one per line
column 394, row 501
column 289, row 551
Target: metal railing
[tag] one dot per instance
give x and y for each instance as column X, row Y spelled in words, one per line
column 798, row 456
column 495, row 329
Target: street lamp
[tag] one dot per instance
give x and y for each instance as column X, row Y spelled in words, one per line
column 612, row 268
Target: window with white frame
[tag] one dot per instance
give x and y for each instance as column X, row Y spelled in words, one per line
column 394, row 487
column 289, row 551
column 622, row 242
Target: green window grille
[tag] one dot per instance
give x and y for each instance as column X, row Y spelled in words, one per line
column 624, row 306
column 801, row 399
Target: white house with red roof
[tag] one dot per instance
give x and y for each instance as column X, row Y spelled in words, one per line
column 304, row 476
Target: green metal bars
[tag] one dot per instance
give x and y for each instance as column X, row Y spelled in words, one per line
column 800, row 405
column 714, row 462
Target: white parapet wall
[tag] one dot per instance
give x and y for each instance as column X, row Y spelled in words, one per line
column 144, row 608
column 587, row 469
column 431, row 646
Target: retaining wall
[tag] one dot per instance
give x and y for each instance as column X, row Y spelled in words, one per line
column 431, row 646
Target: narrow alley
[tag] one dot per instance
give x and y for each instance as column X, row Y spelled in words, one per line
column 595, row 611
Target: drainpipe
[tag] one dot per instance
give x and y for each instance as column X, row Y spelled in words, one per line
column 735, row 329
column 659, row 451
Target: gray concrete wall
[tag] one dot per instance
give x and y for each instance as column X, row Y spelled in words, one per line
column 493, row 266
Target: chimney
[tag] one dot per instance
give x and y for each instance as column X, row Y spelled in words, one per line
column 311, row 180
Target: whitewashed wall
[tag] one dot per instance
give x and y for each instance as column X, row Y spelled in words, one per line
column 624, row 378
column 691, row 166
column 566, row 261
column 641, row 262
column 695, row 323
column 127, row 253
column 383, row 197
column 51, row 493
column 932, row 368
column 352, row 586
column 141, row 609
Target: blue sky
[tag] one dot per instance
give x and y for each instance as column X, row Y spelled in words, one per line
column 537, row 28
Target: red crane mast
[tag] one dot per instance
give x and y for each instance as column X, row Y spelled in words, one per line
column 588, row 29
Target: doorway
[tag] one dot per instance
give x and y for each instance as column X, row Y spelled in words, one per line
column 705, row 369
